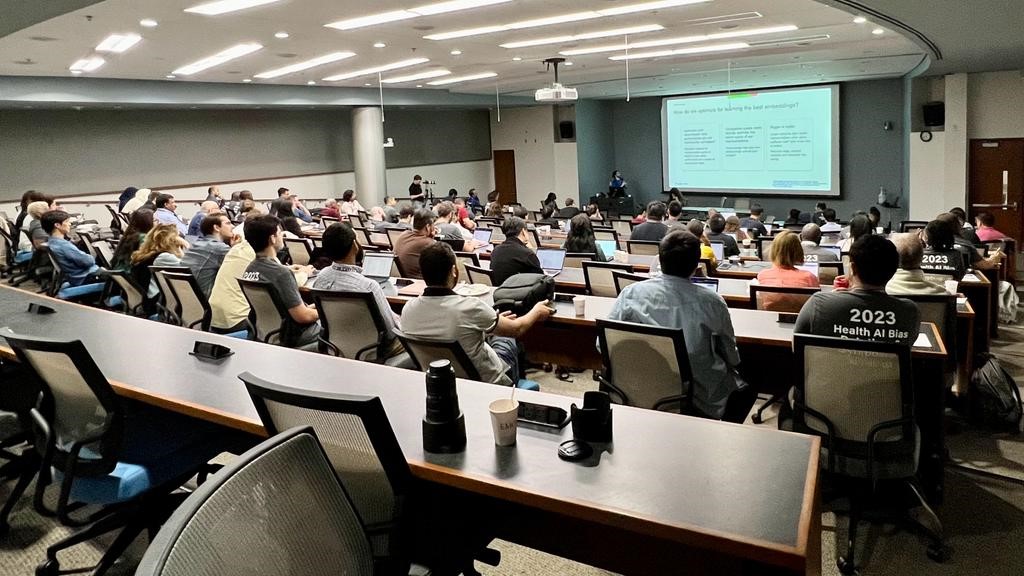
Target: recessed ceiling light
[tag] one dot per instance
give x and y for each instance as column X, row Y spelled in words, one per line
column 87, row 64
column 367, row 84
column 419, row 85
column 148, row 23
column 860, row 20
column 76, row 72
column 878, row 31
column 118, row 43
column 456, row 79
column 377, row 69
column 680, row 40
column 568, row 63
column 380, row 45
column 455, row 52
column 246, row 80
column 225, row 6
column 170, row 76
column 396, row 15
column 683, row 51
column 516, row 59
column 311, row 82
column 306, row 65
column 219, row 58
column 584, row 36
column 282, row 35
column 418, row 76
column 646, row 6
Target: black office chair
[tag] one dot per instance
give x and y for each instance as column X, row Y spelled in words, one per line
column 623, row 279
column 423, row 352
column 192, row 309
column 911, row 225
column 268, row 315
column 167, row 305
column 300, row 250
column 865, row 420
column 276, row 510
column 463, row 258
column 645, row 366
column 352, row 327
column 134, row 301
column 18, row 395
column 576, row 259
column 829, row 271
column 127, row 462
column 644, row 247
column 780, row 298
column 478, row 275
column 599, row 279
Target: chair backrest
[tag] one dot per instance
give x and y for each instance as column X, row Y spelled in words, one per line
column 170, row 299
column 599, row 280
column 648, row 366
column 393, row 234
column 911, row 225
column 463, row 258
column 764, row 248
column 532, row 239
column 607, row 234
column 940, row 310
column 266, row 311
column 478, row 275
column 277, row 509
column 623, row 279
column 646, row 247
column 116, row 219
column 382, row 239
column 105, row 253
column 827, row 272
column 741, row 204
column 780, row 298
column 622, row 227
column 134, row 297
column 360, row 444
column 56, row 274
column 300, row 250
column 576, row 259
column 875, row 387
column 350, row 323
column 328, row 220
column 423, row 352
column 193, row 309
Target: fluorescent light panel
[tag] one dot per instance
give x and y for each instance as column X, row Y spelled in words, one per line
column 377, row 69
column 563, row 18
column 219, row 58
column 87, row 64
column 584, row 36
column 725, row 18
column 683, row 51
column 118, row 42
column 300, row 66
column 797, row 40
column 418, row 76
column 467, row 78
column 679, row 40
column 426, row 10
column 225, row 6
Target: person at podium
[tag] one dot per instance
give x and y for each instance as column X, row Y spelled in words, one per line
column 617, row 185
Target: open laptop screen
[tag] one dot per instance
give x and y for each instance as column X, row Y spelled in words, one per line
column 709, row 283
column 811, row 267
column 551, row 258
column 608, row 247
column 377, row 265
column 482, row 235
column 719, row 249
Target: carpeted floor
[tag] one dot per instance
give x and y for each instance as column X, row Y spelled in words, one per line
column 983, row 515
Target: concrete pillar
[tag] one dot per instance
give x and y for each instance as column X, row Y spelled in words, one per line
column 956, row 141
column 368, row 155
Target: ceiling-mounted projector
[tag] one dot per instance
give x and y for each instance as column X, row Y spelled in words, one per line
column 556, row 92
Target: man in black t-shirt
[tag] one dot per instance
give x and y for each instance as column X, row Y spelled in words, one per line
column 865, row 311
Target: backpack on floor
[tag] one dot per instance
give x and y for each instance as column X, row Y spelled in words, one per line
column 995, row 398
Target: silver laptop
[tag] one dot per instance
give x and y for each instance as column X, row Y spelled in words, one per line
column 608, row 247
column 483, row 236
column 719, row 249
column 552, row 260
column 377, row 265
column 708, row 283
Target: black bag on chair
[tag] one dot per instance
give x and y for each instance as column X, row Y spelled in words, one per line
column 521, row 292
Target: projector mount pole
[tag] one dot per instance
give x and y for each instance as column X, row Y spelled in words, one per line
column 553, row 62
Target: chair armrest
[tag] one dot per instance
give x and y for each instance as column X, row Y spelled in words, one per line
column 831, row 434
column 329, row 347
column 680, row 398
column 605, row 383
column 365, row 349
column 871, row 442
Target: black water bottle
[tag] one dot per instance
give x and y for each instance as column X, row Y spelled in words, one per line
column 444, row 426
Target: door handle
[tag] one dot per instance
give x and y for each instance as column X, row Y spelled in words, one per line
column 1006, row 187
column 1003, row 206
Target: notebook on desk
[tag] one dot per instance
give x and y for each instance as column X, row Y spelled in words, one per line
column 552, row 260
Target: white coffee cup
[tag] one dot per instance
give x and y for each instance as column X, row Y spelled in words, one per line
column 580, row 304
column 504, row 412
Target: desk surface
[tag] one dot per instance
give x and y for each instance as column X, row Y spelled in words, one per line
column 666, row 476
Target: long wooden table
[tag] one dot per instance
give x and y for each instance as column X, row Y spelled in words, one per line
column 671, row 493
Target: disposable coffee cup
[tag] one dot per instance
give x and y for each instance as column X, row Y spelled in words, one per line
column 503, row 421
column 580, row 304
column 746, row 242
column 735, row 260
column 952, row 286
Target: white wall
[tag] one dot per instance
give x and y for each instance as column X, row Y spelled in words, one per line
column 927, row 177
column 461, row 175
column 529, row 132
column 567, row 175
column 996, row 105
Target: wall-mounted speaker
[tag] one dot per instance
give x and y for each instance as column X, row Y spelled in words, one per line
column 934, row 113
column 566, row 129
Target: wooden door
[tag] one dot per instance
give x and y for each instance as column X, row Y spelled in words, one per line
column 505, row 175
column 996, row 183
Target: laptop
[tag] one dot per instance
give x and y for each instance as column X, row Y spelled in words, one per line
column 377, row 265
column 811, row 267
column 708, row 283
column 608, row 247
column 719, row 249
column 552, row 260
column 483, row 236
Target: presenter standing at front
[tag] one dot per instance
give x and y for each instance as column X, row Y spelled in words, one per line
column 416, row 189
column 617, row 186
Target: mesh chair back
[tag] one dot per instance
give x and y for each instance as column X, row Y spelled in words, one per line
column 382, row 239
column 393, row 234
column 463, row 258
column 193, row 307
column 533, row 239
column 478, row 275
column 328, row 220
column 599, row 279
column 350, row 323
column 828, row 271
column 170, row 299
column 911, row 225
column 266, row 312
column 607, row 234
column 133, row 296
column 360, row 445
column 622, row 227
column 647, row 365
column 278, row 509
column 423, row 352
column 645, row 247
column 780, row 298
column 116, row 221
column 623, row 279
column 941, row 311
column 299, row 250
column 764, row 248
column 576, row 259
column 106, row 251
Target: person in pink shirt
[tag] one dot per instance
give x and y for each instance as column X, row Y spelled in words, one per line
column 985, row 227
column 786, row 254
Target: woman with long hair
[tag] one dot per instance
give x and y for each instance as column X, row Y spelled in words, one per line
column 581, row 238
column 162, row 247
column 139, row 224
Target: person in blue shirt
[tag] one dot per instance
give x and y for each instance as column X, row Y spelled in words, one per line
column 78, row 267
column 617, row 186
column 207, row 208
column 164, row 213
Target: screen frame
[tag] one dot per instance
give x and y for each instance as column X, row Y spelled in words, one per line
column 834, row 192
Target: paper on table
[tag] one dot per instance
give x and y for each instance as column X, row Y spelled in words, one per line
column 970, row 278
column 922, row 341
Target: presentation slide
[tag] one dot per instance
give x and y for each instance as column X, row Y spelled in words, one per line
column 781, row 141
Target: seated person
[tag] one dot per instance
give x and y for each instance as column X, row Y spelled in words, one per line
column 910, row 279
column 139, row 224
column 830, row 225
column 164, row 213
column 594, row 212
column 402, row 222
column 786, row 254
column 732, row 228
column 330, row 209
column 810, row 238
column 716, row 233
column 547, row 217
column 967, row 248
column 580, row 238
column 445, row 225
column 205, row 209
column 675, row 212
column 986, row 230
column 391, row 212
column 463, row 218
column 78, row 267
column 569, row 211
column 410, row 243
column 865, row 311
column 162, row 247
column 860, row 226
column 653, row 229
column 206, row 254
column 753, row 222
column 227, row 302
column 487, row 336
column 672, row 301
column 265, row 235
column 966, row 230
column 513, row 256
column 794, row 218
column 36, row 236
column 349, row 205
column 941, row 255
column 696, row 227
column 345, row 275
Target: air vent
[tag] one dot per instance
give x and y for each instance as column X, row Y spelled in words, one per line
column 26, row 62
column 287, row 55
column 43, row 38
column 725, row 18
column 803, row 40
column 423, row 28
